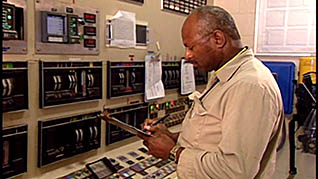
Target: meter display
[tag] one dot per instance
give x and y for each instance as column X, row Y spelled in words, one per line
column 66, row 29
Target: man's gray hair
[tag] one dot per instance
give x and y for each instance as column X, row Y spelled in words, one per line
column 216, row 18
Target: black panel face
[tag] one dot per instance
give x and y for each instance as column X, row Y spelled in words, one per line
column 89, row 31
column 141, row 34
column 12, row 22
column 182, row 6
column 133, row 115
column 201, row 78
column 89, row 43
column 90, row 18
column 125, row 78
column 66, row 137
column 68, row 82
column 171, row 75
column 15, row 86
column 14, row 143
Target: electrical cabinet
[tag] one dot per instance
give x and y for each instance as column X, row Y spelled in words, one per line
column 125, row 78
column 14, row 31
column 68, row 82
column 15, row 147
column 65, row 28
column 132, row 114
column 14, row 86
column 66, row 137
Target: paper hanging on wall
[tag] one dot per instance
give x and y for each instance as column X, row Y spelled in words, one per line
column 123, row 27
column 154, row 88
column 187, row 78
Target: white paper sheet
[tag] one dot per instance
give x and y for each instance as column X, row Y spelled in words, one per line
column 187, row 78
column 154, row 88
column 123, row 28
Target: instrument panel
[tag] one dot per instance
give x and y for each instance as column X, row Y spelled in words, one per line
column 14, row 27
column 130, row 161
column 15, row 149
column 66, row 137
column 64, row 82
column 133, row 115
column 125, row 78
column 66, row 28
column 171, row 75
column 14, row 86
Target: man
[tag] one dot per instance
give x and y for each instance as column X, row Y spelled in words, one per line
column 231, row 130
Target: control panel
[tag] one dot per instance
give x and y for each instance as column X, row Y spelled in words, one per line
column 201, row 78
column 171, row 75
column 69, row 81
column 14, row 26
column 66, row 137
column 176, row 109
column 15, row 143
column 125, row 78
column 66, row 28
column 14, row 86
column 129, row 161
column 134, row 115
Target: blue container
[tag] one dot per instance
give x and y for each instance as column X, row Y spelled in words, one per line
column 285, row 75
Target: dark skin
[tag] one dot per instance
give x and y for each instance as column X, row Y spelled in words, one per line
column 160, row 135
column 211, row 51
column 208, row 53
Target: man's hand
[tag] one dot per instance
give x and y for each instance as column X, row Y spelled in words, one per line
column 159, row 145
column 147, row 125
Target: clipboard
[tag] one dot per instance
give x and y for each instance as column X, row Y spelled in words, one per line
column 112, row 120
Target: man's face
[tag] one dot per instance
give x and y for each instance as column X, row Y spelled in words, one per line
column 200, row 48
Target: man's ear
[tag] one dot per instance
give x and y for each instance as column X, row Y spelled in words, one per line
column 219, row 38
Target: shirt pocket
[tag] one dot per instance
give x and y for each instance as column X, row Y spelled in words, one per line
column 193, row 125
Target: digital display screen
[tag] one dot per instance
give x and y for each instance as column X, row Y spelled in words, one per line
column 141, row 34
column 91, row 18
column 90, row 43
column 55, row 25
column 89, row 30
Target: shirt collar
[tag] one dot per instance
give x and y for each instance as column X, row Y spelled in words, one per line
column 228, row 69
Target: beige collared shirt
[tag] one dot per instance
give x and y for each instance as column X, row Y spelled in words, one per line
column 232, row 132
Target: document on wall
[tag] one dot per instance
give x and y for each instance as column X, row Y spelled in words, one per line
column 187, row 78
column 123, row 28
column 154, row 88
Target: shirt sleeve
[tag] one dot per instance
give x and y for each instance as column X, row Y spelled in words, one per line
column 249, row 118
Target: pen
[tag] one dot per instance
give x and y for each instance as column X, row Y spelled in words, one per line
column 158, row 121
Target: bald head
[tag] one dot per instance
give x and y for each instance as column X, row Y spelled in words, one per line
column 210, row 37
column 212, row 18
